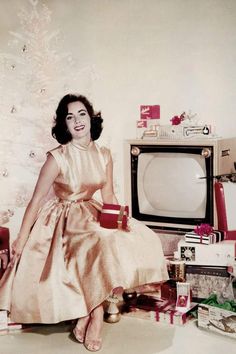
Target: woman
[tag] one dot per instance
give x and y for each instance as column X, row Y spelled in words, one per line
column 64, row 263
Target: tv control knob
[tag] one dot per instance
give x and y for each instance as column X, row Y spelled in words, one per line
column 135, row 151
column 206, row 152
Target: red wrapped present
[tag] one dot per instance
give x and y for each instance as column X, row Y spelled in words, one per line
column 4, row 249
column 172, row 316
column 225, row 193
column 167, row 314
column 150, row 112
column 114, row 216
column 168, row 290
column 151, row 303
column 142, row 124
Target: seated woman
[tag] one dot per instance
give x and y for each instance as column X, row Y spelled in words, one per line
column 64, row 264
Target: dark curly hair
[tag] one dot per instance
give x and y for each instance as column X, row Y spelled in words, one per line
column 59, row 130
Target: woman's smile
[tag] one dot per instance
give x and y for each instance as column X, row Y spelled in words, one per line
column 79, row 127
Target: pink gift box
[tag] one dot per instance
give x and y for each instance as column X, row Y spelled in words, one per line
column 150, row 112
column 141, row 124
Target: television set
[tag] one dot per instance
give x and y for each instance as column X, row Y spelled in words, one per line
column 169, row 184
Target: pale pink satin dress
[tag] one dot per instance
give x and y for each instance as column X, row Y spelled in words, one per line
column 70, row 264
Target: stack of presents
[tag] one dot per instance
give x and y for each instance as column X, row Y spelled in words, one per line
column 202, row 282
column 201, row 286
column 147, row 126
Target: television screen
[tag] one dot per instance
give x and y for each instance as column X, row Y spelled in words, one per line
column 169, row 184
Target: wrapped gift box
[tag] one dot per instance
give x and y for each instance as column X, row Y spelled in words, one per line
column 6, row 325
column 217, row 319
column 205, row 280
column 214, row 237
column 171, row 315
column 168, row 290
column 151, row 303
column 225, row 193
column 150, row 112
column 167, row 314
column 4, row 249
column 3, row 320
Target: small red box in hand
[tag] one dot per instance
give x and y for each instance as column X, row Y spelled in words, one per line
column 114, row 216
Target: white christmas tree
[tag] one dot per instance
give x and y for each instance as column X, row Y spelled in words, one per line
column 34, row 75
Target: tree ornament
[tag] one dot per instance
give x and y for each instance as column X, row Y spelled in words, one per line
column 5, row 216
column 21, row 200
column 5, row 173
column 13, row 109
column 32, row 154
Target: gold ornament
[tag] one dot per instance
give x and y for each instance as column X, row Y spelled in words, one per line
column 112, row 313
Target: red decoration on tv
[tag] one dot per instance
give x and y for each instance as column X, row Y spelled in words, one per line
column 150, row 112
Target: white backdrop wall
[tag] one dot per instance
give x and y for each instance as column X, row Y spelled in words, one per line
column 180, row 54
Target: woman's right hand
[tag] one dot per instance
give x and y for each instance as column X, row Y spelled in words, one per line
column 16, row 250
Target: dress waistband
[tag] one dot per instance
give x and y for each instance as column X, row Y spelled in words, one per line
column 94, row 202
column 69, row 201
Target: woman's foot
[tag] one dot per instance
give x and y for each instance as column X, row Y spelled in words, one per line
column 80, row 329
column 93, row 340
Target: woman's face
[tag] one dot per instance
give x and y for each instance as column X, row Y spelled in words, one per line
column 78, row 120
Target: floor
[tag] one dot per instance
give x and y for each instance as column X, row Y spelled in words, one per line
column 128, row 336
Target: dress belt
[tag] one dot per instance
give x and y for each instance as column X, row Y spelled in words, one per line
column 73, row 201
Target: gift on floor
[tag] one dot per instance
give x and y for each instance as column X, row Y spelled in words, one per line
column 4, row 249
column 6, row 325
column 3, row 320
column 165, row 313
column 172, row 315
column 217, row 319
column 151, row 303
column 168, row 290
column 204, row 280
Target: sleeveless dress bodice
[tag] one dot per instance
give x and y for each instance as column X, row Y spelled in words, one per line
column 82, row 171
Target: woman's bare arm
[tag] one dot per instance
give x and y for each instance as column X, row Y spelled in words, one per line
column 47, row 175
column 107, row 192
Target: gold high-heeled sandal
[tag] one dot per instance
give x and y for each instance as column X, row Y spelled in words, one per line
column 79, row 334
column 93, row 345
